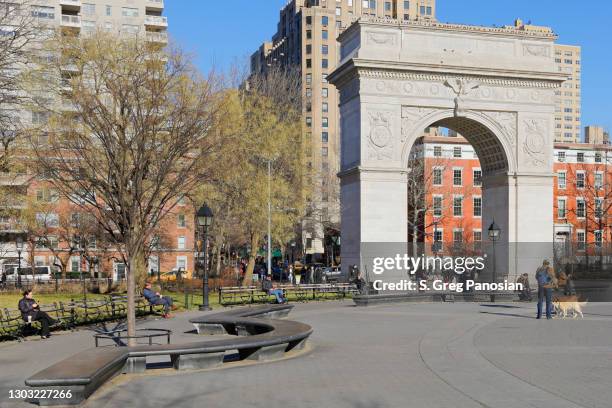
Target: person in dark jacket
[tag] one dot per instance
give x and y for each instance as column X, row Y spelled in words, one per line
column 155, row 298
column 268, row 287
column 30, row 312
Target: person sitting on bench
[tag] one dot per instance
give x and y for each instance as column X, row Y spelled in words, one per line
column 30, row 312
column 155, row 298
column 268, row 287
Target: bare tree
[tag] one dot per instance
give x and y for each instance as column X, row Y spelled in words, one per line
column 19, row 34
column 134, row 135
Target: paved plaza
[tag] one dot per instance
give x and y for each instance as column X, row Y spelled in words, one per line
column 400, row 355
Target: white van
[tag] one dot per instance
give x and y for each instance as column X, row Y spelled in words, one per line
column 39, row 274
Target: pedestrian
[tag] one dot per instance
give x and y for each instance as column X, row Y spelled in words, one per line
column 30, row 312
column 545, row 276
column 562, row 281
column 311, row 275
column 290, row 275
column 524, row 293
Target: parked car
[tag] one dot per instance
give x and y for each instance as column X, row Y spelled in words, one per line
column 331, row 274
column 38, row 274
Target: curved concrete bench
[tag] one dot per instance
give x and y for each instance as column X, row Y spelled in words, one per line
column 257, row 339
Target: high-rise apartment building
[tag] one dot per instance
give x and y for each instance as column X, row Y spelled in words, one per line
column 306, row 38
column 596, row 135
column 61, row 217
column 568, row 97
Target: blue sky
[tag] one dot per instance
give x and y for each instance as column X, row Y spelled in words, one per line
column 217, row 35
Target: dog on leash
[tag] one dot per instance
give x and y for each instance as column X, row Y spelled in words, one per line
column 564, row 304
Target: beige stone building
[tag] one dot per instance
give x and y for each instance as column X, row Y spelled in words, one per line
column 596, row 135
column 568, row 98
column 306, row 38
column 133, row 16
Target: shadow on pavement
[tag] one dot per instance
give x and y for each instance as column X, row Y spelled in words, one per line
column 507, row 314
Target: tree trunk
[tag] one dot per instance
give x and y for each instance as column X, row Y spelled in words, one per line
column 248, row 275
column 134, row 274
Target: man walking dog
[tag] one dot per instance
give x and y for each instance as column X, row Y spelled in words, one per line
column 546, row 282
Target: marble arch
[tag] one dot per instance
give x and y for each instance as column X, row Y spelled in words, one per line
column 495, row 86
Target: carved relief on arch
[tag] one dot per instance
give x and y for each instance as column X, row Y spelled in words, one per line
column 534, row 144
column 507, row 123
column 381, row 141
column 411, row 115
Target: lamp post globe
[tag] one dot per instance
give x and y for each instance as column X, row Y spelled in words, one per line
column 205, row 218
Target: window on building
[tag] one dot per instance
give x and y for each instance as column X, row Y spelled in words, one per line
column 308, row 121
column 308, row 79
column 181, row 243
column 324, row 137
column 181, row 263
column 324, row 151
column 457, row 177
column 308, row 20
column 580, row 179
column 457, row 236
column 406, row 5
column 437, row 206
column 325, row 107
column 598, row 238
column 75, row 263
column 130, row 28
column 598, row 184
column 597, row 157
column 43, row 12
column 561, row 208
column 324, row 20
column 422, row 10
column 581, row 239
column 308, row 49
column 309, row 34
column 580, row 208
column 437, row 176
column 324, row 49
column 324, row 34
column 438, row 235
column 457, row 152
column 309, row 92
column 561, row 156
column 324, row 92
column 109, row 10
column 580, row 157
column 477, row 206
column 598, row 207
column 437, row 151
column 324, row 63
column 477, row 177
column 457, row 206
column 338, row 11
column 325, row 122
column 477, row 235
column 308, row 63
column 387, row 6
column 47, row 219
column 181, row 222
column 561, row 179
column 88, row 9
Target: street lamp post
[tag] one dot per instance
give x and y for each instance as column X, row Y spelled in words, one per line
column 270, row 218
column 205, row 218
column 19, row 246
column 494, row 236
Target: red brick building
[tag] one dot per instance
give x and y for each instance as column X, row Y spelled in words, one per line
column 582, row 204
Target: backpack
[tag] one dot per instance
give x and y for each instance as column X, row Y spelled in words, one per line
column 542, row 276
